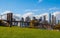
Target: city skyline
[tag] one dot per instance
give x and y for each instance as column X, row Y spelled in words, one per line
column 29, row 18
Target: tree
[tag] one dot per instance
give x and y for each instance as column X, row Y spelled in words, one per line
column 34, row 23
column 4, row 23
column 57, row 27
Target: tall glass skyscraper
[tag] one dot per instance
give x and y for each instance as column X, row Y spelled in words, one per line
column 50, row 18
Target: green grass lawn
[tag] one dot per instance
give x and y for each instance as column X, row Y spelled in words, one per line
column 17, row 32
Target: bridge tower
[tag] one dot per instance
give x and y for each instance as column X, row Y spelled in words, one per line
column 10, row 18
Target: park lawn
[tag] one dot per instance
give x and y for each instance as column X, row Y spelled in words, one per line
column 17, row 32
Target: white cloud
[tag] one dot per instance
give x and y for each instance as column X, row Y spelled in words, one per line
column 4, row 15
column 31, row 14
column 45, row 14
column 53, row 8
column 28, row 14
column 41, row 15
column 6, row 12
column 16, row 16
column 57, row 14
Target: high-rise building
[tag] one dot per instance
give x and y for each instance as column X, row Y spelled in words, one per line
column 40, row 19
column 58, row 21
column 53, row 20
column 50, row 18
column 34, row 18
column 22, row 22
column 22, row 19
column 44, row 17
column 27, row 19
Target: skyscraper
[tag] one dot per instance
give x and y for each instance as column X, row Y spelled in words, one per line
column 53, row 20
column 27, row 20
column 58, row 21
column 22, row 22
column 34, row 18
column 50, row 18
column 44, row 17
column 40, row 19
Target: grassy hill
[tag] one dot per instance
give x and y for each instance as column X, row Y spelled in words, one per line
column 17, row 32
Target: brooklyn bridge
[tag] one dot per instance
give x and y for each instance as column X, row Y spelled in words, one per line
column 10, row 20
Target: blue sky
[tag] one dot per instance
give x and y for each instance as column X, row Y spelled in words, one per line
column 35, row 6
